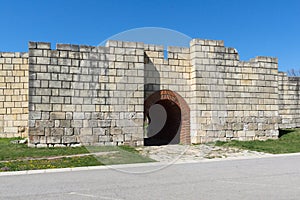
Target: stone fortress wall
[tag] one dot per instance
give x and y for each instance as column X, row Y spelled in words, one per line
column 84, row 94
column 238, row 99
column 103, row 95
column 13, row 94
column 289, row 108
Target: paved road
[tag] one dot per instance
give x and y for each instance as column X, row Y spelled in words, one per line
column 263, row 178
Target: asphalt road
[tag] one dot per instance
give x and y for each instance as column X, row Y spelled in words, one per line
column 262, row 178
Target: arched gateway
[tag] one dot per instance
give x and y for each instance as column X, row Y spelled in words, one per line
column 176, row 128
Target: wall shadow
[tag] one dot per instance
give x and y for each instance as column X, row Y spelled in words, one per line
column 283, row 132
column 151, row 77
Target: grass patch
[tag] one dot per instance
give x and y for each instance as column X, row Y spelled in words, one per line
column 10, row 151
column 49, row 164
column 289, row 142
column 13, row 157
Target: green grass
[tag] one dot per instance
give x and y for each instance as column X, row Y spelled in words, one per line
column 10, row 151
column 289, row 142
column 15, row 157
column 49, row 164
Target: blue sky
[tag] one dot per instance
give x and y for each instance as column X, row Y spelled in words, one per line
column 253, row 27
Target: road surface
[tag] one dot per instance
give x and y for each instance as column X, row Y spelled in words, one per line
column 260, row 178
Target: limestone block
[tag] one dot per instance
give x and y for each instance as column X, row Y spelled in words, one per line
column 10, row 129
column 129, row 44
column 53, row 140
column 130, row 58
column 43, row 60
column 57, row 115
column 67, row 108
column 64, row 61
column 7, row 54
column 76, row 123
column 36, row 131
column 55, row 84
column 65, row 77
column 43, row 76
column 57, row 131
column 69, row 139
column 99, row 131
column 32, row 45
column 118, row 138
column 104, row 123
column 86, row 131
column 42, row 91
column 54, row 68
column 65, row 123
column 69, row 131
column 41, row 45
column 35, row 115
column 56, row 100
column 88, row 108
column 9, row 104
column 44, row 84
column 237, row 126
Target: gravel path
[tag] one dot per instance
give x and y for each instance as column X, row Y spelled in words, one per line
column 180, row 153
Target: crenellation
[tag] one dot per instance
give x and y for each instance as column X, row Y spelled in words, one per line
column 43, row 45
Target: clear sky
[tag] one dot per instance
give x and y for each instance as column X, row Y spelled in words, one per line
column 253, row 27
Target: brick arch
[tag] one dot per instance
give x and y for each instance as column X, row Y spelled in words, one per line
column 175, row 98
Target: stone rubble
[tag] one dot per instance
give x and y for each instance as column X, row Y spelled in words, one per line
column 183, row 153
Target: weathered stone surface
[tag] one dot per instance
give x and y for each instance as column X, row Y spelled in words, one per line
column 57, row 115
column 53, row 140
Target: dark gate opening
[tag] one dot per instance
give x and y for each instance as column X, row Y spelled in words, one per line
column 174, row 126
column 170, row 133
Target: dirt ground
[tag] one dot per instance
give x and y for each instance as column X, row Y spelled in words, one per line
column 174, row 153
